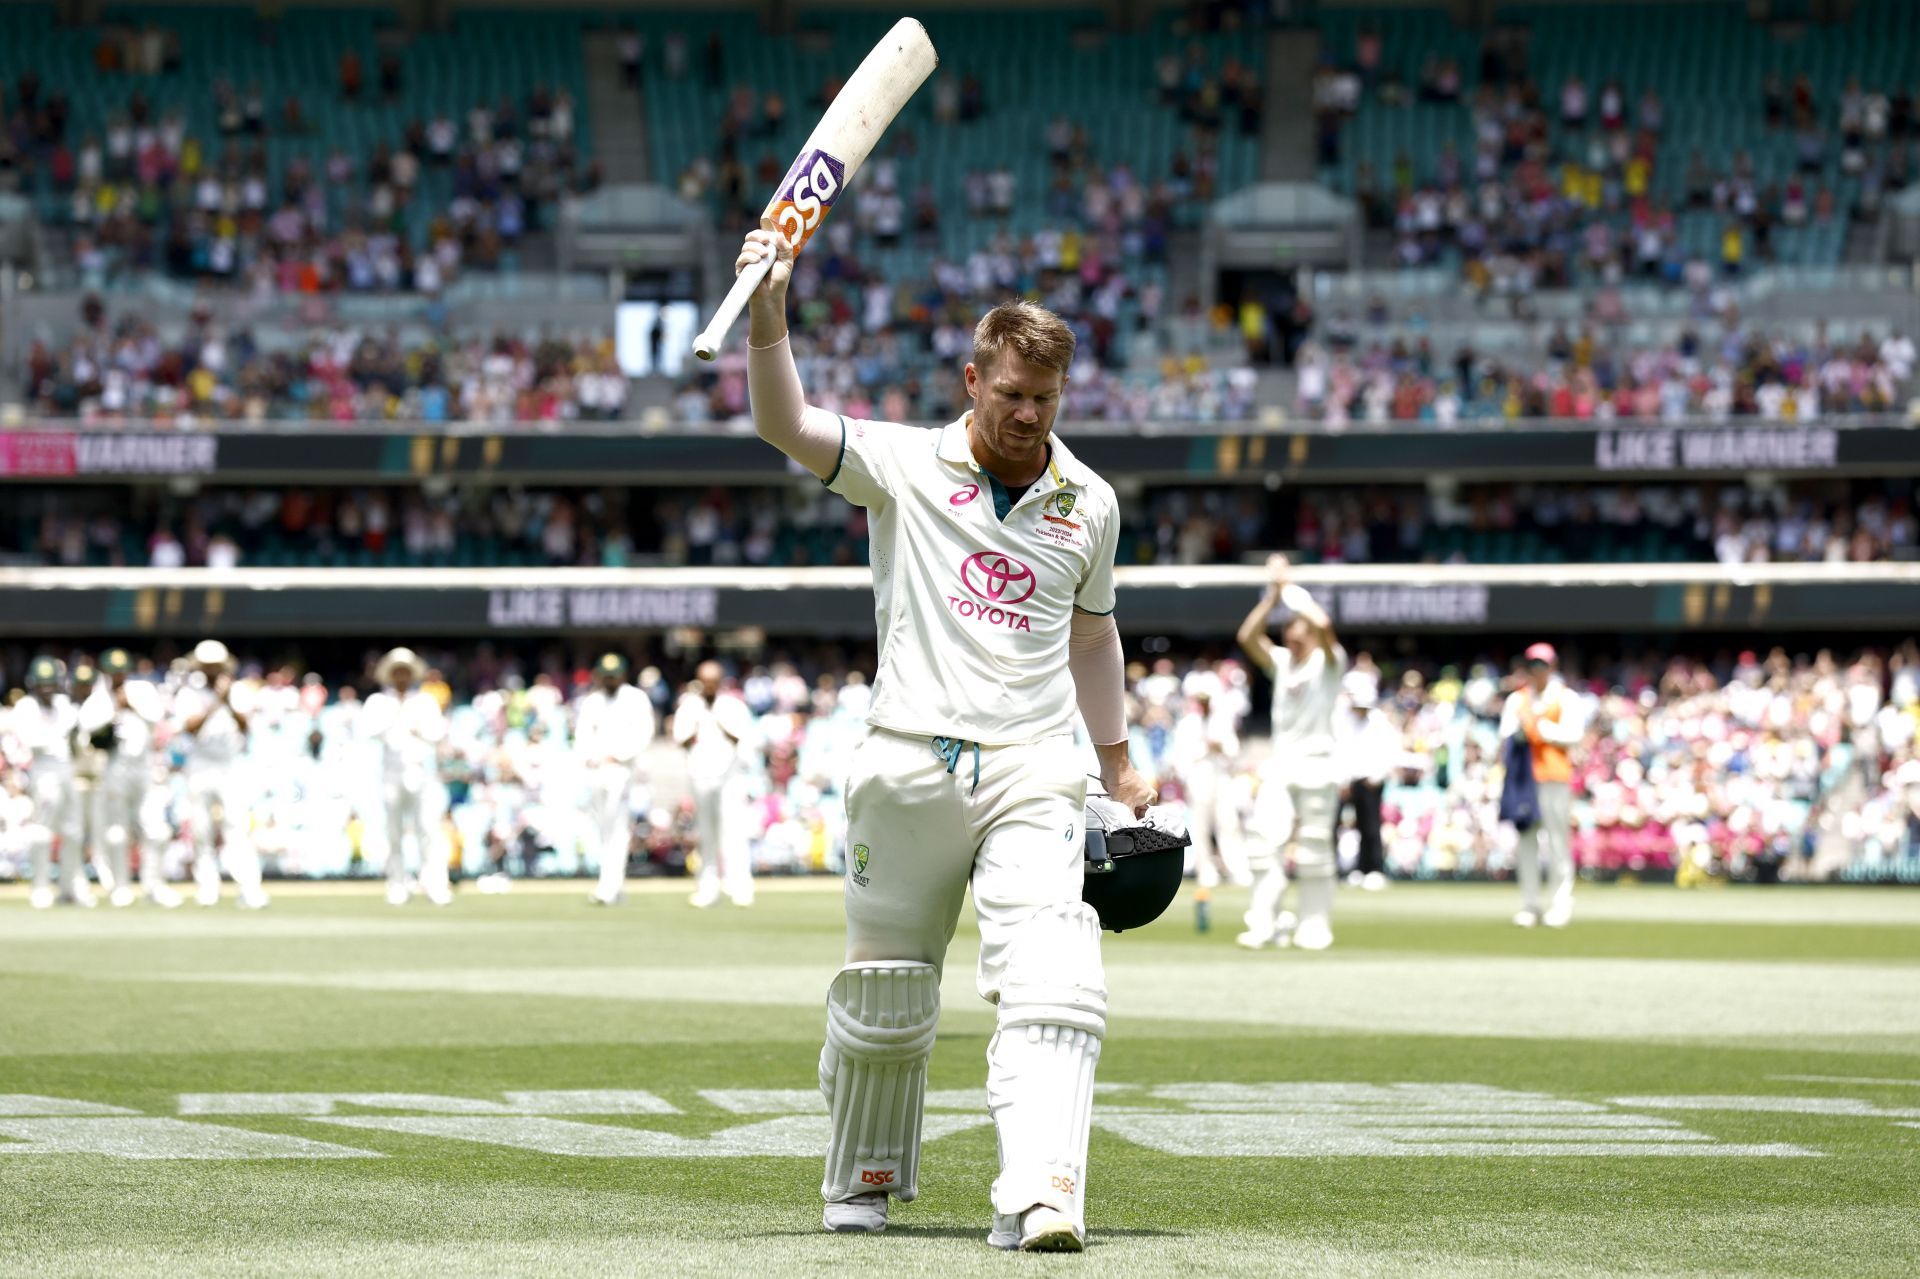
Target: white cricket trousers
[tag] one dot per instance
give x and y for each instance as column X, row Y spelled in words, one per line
column 1305, row 816
column 120, row 813
column 720, row 827
column 610, row 823
column 1014, row 834
column 56, row 812
column 921, row 826
column 1212, row 827
column 217, row 800
column 411, row 817
column 1549, row 838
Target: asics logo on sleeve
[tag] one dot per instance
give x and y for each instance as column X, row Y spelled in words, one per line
column 998, row 578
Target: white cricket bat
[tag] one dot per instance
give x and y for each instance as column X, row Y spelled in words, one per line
column 833, row 153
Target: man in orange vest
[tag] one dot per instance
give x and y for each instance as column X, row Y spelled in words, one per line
column 1545, row 711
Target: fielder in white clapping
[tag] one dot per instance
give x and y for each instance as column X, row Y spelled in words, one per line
column 124, row 712
column 715, row 727
column 214, row 711
column 1300, row 786
column 44, row 722
column 992, row 552
column 612, row 726
column 409, row 725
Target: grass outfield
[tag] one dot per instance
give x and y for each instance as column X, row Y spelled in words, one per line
column 1712, row 1083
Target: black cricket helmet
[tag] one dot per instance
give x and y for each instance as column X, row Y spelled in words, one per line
column 1133, row 870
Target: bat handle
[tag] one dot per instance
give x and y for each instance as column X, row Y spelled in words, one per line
column 707, row 344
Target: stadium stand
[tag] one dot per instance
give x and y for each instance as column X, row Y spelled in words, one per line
column 1512, row 380
column 303, row 151
column 993, row 183
column 1579, row 141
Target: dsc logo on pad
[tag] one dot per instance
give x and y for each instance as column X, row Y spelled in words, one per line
column 806, row 193
column 876, row 1177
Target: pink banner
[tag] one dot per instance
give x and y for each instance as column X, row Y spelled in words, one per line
column 36, row 453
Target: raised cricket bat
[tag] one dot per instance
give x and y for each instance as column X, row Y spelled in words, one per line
column 834, row 152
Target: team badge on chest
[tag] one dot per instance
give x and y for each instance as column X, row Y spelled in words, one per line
column 1057, row 524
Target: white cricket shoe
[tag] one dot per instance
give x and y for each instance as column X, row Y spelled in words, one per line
column 254, row 898
column 1557, row 916
column 163, row 896
column 1373, row 881
column 42, row 898
column 440, row 895
column 1044, row 1229
column 397, row 894
column 122, row 897
column 743, row 901
column 1283, row 929
column 81, row 896
column 1354, row 878
column 704, row 899
column 598, row 898
column 207, row 894
column 1527, row 918
column 1314, row 934
column 1254, row 939
column 860, row 1215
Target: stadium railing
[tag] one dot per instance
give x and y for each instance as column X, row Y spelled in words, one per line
column 1201, row 602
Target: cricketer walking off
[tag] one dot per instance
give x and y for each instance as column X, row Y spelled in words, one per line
column 992, row 551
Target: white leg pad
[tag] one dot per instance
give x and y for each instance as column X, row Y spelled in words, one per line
column 1318, row 809
column 1040, row 1063
column 881, row 1018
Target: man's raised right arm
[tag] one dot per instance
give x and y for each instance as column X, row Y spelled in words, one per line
column 811, row 436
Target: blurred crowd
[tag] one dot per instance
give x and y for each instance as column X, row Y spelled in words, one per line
column 1561, row 182
column 1738, row 372
column 149, row 195
column 509, row 777
column 125, row 370
column 1830, row 521
column 1744, row 766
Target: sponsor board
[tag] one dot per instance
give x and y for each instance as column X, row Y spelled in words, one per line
column 1702, row 448
column 1410, row 605
column 32, row 453
column 1197, row 1120
column 617, row 608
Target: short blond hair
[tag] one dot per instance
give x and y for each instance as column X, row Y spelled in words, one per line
column 1029, row 330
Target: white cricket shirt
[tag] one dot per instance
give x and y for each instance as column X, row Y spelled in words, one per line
column 409, row 729
column 132, row 725
column 718, row 735
column 619, row 726
column 46, row 729
column 1305, row 695
column 220, row 741
column 974, row 595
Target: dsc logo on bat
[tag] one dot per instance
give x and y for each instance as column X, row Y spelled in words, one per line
column 806, row 193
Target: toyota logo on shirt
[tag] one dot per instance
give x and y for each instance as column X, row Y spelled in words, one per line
column 997, row 578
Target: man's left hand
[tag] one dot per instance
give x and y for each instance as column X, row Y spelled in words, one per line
column 1126, row 786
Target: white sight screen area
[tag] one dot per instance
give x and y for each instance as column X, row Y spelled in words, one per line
column 654, row 337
